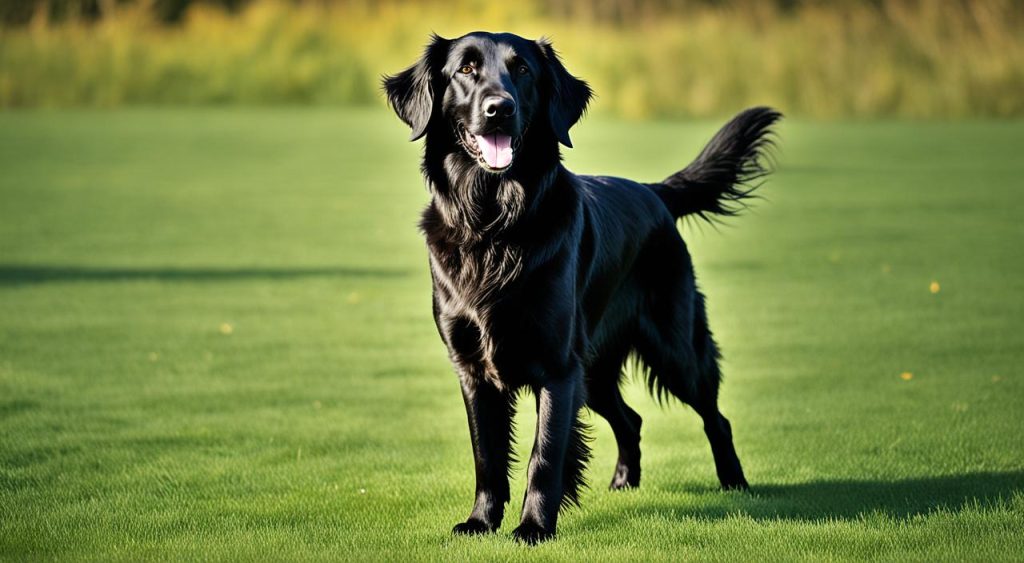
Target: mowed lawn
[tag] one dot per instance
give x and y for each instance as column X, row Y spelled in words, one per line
column 216, row 343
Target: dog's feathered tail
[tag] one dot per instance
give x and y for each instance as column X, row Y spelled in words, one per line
column 726, row 172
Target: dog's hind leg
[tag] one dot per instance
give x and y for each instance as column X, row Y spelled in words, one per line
column 705, row 402
column 675, row 343
column 719, row 433
column 605, row 398
column 694, row 380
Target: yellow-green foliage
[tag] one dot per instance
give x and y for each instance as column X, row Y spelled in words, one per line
column 926, row 58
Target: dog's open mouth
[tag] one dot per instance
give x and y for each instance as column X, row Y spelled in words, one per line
column 494, row 151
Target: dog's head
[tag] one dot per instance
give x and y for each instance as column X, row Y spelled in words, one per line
column 490, row 89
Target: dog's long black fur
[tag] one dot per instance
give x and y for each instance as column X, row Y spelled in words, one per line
column 548, row 281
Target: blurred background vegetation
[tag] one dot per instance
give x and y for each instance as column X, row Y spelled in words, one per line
column 645, row 58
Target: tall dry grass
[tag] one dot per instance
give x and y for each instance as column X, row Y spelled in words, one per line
column 906, row 58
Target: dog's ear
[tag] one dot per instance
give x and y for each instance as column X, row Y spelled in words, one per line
column 568, row 96
column 411, row 92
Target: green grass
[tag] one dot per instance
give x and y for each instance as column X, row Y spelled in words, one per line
column 327, row 423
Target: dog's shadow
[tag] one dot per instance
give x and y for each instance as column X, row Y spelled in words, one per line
column 22, row 274
column 836, row 499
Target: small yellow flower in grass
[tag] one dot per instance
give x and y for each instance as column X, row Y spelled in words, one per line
column 934, row 287
column 906, row 376
column 354, row 298
column 226, row 328
column 153, row 356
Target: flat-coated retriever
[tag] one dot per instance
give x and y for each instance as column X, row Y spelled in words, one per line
column 547, row 280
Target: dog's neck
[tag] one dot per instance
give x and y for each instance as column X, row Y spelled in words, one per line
column 476, row 205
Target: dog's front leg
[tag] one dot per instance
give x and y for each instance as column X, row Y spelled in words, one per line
column 557, row 458
column 490, row 412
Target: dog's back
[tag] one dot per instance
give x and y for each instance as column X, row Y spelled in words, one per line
column 640, row 250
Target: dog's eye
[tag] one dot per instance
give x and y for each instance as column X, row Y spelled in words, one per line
column 523, row 69
column 466, row 69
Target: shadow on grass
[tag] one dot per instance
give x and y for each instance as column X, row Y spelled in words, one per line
column 16, row 274
column 898, row 498
column 845, row 500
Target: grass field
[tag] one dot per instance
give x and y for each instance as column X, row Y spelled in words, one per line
column 215, row 343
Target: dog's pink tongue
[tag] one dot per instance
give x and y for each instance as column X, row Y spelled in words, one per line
column 496, row 148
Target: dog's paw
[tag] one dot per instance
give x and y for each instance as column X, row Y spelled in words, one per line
column 625, row 477
column 472, row 527
column 531, row 534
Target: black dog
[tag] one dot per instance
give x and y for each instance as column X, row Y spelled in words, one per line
column 547, row 280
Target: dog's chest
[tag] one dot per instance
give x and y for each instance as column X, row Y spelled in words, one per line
column 472, row 276
column 475, row 296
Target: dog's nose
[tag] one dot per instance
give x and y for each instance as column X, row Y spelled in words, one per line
column 499, row 107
